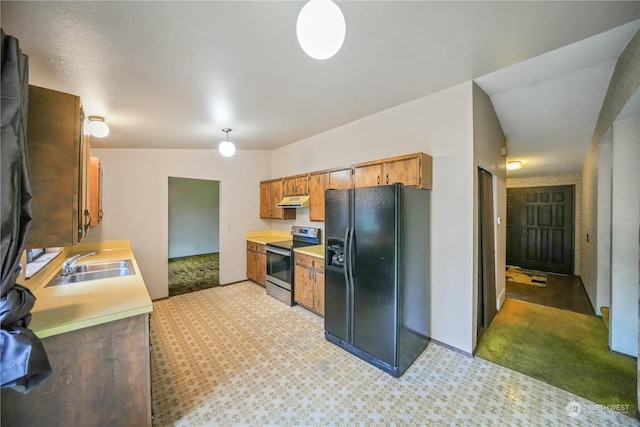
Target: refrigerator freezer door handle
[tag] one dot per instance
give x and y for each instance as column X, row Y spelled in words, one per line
column 350, row 284
column 346, row 261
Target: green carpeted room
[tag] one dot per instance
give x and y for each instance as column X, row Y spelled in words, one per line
column 561, row 346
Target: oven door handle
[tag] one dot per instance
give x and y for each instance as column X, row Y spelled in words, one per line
column 278, row 251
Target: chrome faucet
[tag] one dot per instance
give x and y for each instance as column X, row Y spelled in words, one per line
column 69, row 263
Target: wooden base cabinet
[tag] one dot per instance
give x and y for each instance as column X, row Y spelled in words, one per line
column 257, row 262
column 309, row 282
column 101, row 377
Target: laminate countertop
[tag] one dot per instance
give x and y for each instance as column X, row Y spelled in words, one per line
column 315, row 251
column 65, row 308
column 267, row 236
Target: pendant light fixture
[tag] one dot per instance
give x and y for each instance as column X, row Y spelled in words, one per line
column 320, row 28
column 227, row 148
column 97, row 127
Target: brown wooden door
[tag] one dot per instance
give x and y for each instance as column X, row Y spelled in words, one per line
column 540, row 228
column 487, row 301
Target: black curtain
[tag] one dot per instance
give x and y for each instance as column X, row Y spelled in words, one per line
column 24, row 362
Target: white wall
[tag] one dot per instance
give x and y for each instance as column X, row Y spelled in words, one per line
column 488, row 140
column 625, row 225
column 603, row 289
column 441, row 126
column 194, row 216
column 135, row 197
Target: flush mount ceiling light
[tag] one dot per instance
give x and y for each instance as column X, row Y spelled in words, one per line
column 514, row 165
column 321, row 29
column 97, row 127
column 227, row 148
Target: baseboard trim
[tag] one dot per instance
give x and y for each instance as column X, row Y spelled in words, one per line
column 452, row 348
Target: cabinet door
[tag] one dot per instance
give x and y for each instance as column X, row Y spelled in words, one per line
column 275, row 196
column 318, row 290
column 415, row 170
column 54, row 149
column 289, row 187
column 83, row 184
column 406, row 171
column 303, row 291
column 251, row 265
column 265, row 200
column 95, row 191
column 296, row 186
column 302, row 185
column 340, row 179
column 368, row 175
column 261, row 265
column 317, row 185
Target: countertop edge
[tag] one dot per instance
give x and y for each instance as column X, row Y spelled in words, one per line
column 316, row 251
column 70, row 327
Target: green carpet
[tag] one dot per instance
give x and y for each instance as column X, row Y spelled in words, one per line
column 193, row 273
column 565, row 349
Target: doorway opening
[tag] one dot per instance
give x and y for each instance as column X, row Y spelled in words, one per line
column 547, row 328
column 194, row 236
column 540, row 248
column 487, row 300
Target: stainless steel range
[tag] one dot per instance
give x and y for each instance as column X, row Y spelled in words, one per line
column 281, row 263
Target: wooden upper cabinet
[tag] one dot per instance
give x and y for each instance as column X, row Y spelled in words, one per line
column 340, row 178
column 95, row 191
column 368, row 175
column 296, row 185
column 318, row 183
column 57, row 165
column 271, row 193
column 415, row 170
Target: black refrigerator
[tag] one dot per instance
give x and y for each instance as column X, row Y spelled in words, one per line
column 377, row 273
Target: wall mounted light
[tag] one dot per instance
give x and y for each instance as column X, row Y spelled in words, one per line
column 514, row 165
column 320, row 28
column 227, row 148
column 97, row 127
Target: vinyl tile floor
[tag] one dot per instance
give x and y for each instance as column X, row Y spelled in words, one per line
column 234, row 356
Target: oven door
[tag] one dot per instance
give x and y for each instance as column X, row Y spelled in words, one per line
column 279, row 267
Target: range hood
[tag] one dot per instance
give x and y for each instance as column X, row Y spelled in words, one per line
column 294, row 202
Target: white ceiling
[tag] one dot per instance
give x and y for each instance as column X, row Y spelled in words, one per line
column 173, row 74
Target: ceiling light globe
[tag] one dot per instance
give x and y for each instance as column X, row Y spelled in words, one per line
column 97, row 127
column 514, row 165
column 321, row 29
column 227, row 148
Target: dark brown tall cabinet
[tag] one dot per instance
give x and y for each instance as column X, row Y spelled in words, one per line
column 58, row 165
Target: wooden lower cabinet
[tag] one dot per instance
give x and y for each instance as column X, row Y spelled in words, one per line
column 101, row 376
column 309, row 282
column 257, row 262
